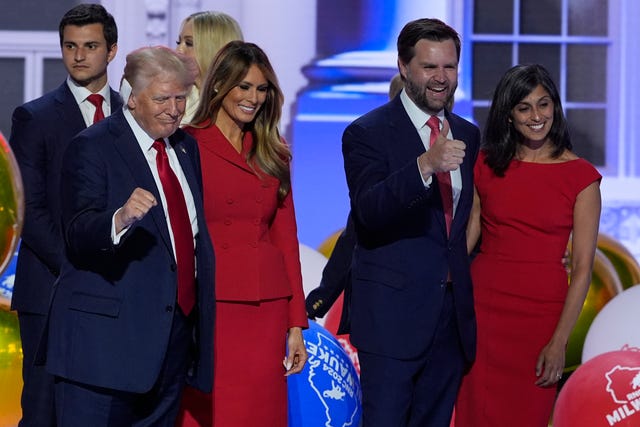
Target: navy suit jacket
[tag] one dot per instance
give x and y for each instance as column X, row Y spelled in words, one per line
column 403, row 255
column 112, row 307
column 40, row 133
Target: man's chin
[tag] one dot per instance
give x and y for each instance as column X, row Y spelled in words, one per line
column 84, row 79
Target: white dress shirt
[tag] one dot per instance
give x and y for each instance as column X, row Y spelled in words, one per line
column 419, row 119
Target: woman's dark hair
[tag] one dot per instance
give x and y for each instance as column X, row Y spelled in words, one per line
column 501, row 139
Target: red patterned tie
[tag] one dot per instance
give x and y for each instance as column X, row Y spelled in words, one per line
column 181, row 226
column 444, row 178
column 96, row 99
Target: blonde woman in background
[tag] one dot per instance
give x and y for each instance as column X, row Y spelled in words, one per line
column 202, row 35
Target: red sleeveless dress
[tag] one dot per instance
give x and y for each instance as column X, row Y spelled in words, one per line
column 520, row 285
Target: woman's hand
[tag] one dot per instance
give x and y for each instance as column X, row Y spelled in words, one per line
column 297, row 355
column 550, row 364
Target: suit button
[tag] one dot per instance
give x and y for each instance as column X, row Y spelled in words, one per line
column 174, row 267
column 256, row 221
column 169, row 308
column 225, row 246
column 227, row 221
column 253, row 244
column 229, row 201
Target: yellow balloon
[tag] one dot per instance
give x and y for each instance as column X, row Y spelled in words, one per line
column 11, row 219
column 10, row 369
column 623, row 261
column 326, row 247
column 11, row 207
column 605, row 284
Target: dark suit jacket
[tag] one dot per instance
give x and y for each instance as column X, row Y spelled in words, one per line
column 336, row 279
column 40, row 134
column 402, row 254
column 112, row 308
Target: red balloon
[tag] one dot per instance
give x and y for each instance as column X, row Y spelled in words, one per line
column 604, row 391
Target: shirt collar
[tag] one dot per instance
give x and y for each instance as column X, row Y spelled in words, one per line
column 416, row 115
column 80, row 93
column 144, row 140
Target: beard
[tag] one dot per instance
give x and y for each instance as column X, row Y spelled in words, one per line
column 418, row 95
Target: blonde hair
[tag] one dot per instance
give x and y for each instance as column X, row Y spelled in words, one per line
column 395, row 86
column 269, row 153
column 211, row 31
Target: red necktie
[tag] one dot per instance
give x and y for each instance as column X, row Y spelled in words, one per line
column 444, row 178
column 96, row 99
column 181, row 226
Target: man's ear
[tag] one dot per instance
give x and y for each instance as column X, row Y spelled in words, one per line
column 112, row 52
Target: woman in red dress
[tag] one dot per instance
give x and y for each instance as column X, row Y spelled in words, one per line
column 260, row 310
column 532, row 194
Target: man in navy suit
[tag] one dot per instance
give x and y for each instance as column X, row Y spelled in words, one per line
column 336, row 275
column 412, row 317
column 121, row 341
column 40, row 133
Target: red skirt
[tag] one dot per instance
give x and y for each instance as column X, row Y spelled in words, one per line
column 250, row 388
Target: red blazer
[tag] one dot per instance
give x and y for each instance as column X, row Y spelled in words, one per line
column 255, row 239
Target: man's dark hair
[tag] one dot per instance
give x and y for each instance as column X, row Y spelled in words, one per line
column 426, row 28
column 85, row 14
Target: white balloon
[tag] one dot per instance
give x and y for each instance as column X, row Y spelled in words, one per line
column 616, row 326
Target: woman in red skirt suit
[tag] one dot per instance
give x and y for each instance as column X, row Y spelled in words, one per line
column 260, row 310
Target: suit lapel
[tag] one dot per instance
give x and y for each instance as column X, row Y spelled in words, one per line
column 68, row 110
column 184, row 158
column 218, row 144
column 405, row 136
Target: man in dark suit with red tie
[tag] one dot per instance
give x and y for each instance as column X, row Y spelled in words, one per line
column 409, row 167
column 131, row 317
column 40, row 133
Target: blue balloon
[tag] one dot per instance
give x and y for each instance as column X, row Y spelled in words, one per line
column 327, row 392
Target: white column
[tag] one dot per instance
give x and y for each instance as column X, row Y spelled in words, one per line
column 178, row 10
column 409, row 10
column 286, row 30
column 140, row 23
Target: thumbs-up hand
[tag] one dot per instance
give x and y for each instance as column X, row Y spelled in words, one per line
column 444, row 155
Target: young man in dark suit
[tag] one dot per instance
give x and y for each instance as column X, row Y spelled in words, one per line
column 409, row 167
column 40, row 133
